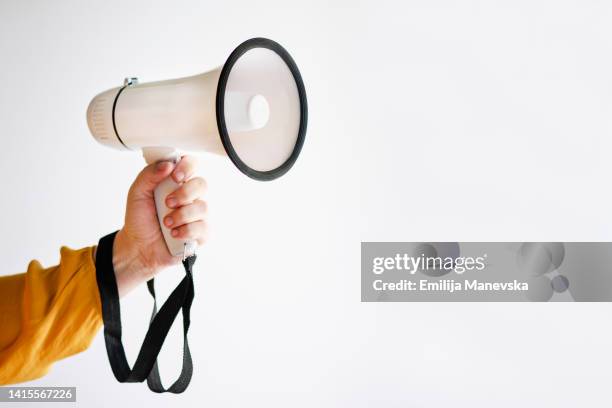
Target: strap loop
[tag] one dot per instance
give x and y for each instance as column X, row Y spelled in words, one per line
column 145, row 366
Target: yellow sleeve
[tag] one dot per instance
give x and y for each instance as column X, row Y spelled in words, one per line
column 47, row 314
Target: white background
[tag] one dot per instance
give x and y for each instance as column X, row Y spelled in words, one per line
column 432, row 121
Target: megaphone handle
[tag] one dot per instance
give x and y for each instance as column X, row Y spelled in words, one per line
column 176, row 246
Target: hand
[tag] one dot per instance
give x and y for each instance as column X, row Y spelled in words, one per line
column 140, row 251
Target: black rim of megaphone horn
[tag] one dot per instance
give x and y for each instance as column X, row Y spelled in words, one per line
column 225, row 139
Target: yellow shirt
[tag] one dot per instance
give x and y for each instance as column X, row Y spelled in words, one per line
column 47, row 314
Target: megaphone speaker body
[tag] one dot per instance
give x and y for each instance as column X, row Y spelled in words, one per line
column 252, row 109
column 178, row 113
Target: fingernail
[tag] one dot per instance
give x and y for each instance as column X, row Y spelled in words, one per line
column 168, row 221
column 174, row 233
column 161, row 166
column 179, row 175
column 171, row 202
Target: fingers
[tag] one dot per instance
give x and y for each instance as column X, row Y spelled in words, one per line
column 187, row 219
column 195, row 230
column 184, row 169
column 189, row 213
column 187, row 193
column 151, row 176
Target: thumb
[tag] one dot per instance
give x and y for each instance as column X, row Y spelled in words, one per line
column 150, row 177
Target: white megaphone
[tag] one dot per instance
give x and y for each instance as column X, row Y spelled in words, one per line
column 252, row 109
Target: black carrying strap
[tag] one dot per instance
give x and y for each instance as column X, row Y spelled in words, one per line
column 181, row 383
column 159, row 326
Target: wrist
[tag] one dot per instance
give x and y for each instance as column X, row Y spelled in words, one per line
column 128, row 263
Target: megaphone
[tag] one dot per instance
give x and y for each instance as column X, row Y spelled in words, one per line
column 252, row 109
